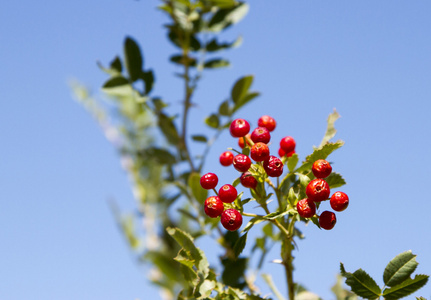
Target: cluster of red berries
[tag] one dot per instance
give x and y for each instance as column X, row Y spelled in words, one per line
column 318, row 190
column 258, row 141
column 231, row 219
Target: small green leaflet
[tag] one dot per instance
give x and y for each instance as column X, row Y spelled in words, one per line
column 240, row 245
column 400, row 268
column 361, row 283
column 319, row 153
column 330, row 130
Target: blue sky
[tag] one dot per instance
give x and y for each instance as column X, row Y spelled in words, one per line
column 371, row 60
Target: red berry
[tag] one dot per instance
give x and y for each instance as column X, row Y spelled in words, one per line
column 213, row 207
column 306, row 208
column 226, row 158
column 273, row 166
column 282, row 153
column 241, row 162
column 241, row 141
column 231, row 219
column 259, row 151
column 227, row 193
column 321, row 168
column 248, row 180
column 339, row 201
column 239, row 128
column 267, row 122
column 317, row 190
column 209, row 181
column 260, row 134
column 288, row 144
column 327, row 220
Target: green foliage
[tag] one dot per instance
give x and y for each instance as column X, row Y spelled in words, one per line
column 398, row 283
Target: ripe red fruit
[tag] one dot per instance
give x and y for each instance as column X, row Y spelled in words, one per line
column 306, row 208
column 227, row 193
column 282, row 153
column 339, row 201
column 241, row 162
column 259, row 151
column 321, row 168
column 260, row 134
column 327, row 220
column 247, row 180
column 209, row 181
column 213, row 207
column 273, row 166
column 226, row 158
column 267, row 122
column 241, row 141
column 317, row 190
column 239, row 128
column 288, row 144
column 231, row 219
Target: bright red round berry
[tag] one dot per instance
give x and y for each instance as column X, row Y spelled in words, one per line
column 241, row 162
column 209, row 181
column 213, row 207
column 317, row 190
column 260, row 134
column 273, row 166
column 267, row 122
column 241, row 141
column 282, row 153
column 259, row 151
column 327, row 220
column 239, row 128
column 227, row 193
column 231, row 219
column 306, row 208
column 247, row 180
column 226, row 158
column 288, row 144
column 339, row 201
column 321, row 168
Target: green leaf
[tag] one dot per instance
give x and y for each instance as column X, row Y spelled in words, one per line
column 276, row 215
column 224, row 109
column 198, row 191
column 319, row 153
column 199, row 138
column 304, row 180
column 400, row 268
column 115, row 82
column 148, row 78
column 361, row 283
column 224, row 18
column 223, row 3
column 133, row 58
column 216, row 63
column 168, row 128
column 214, row 45
column 184, row 60
column 213, row 121
column 195, row 45
column 162, row 156
column 330, row 130
column 240, row 245
column 116, row 65
column 245, row 100
column 240, row 88
column 292, row 162
column 405, row 288
column 233, row 273
column 251, row 223
column 206, row 288
column 335, row 180
column 268, row 279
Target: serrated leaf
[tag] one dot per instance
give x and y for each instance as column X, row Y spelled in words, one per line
column 292, row 162
column 199, row 138
column 133, row 58
column 400, row 268
column 198, row 191
column 206, row 288
column 319, row 153
column 304, row 180
column 405, row 288
column 335, row 180
column 240, row 245
column 213, row 121
column 251, row 223
column 361, row 283
column 240, row 88
column 330, row 130
column 216, row 63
